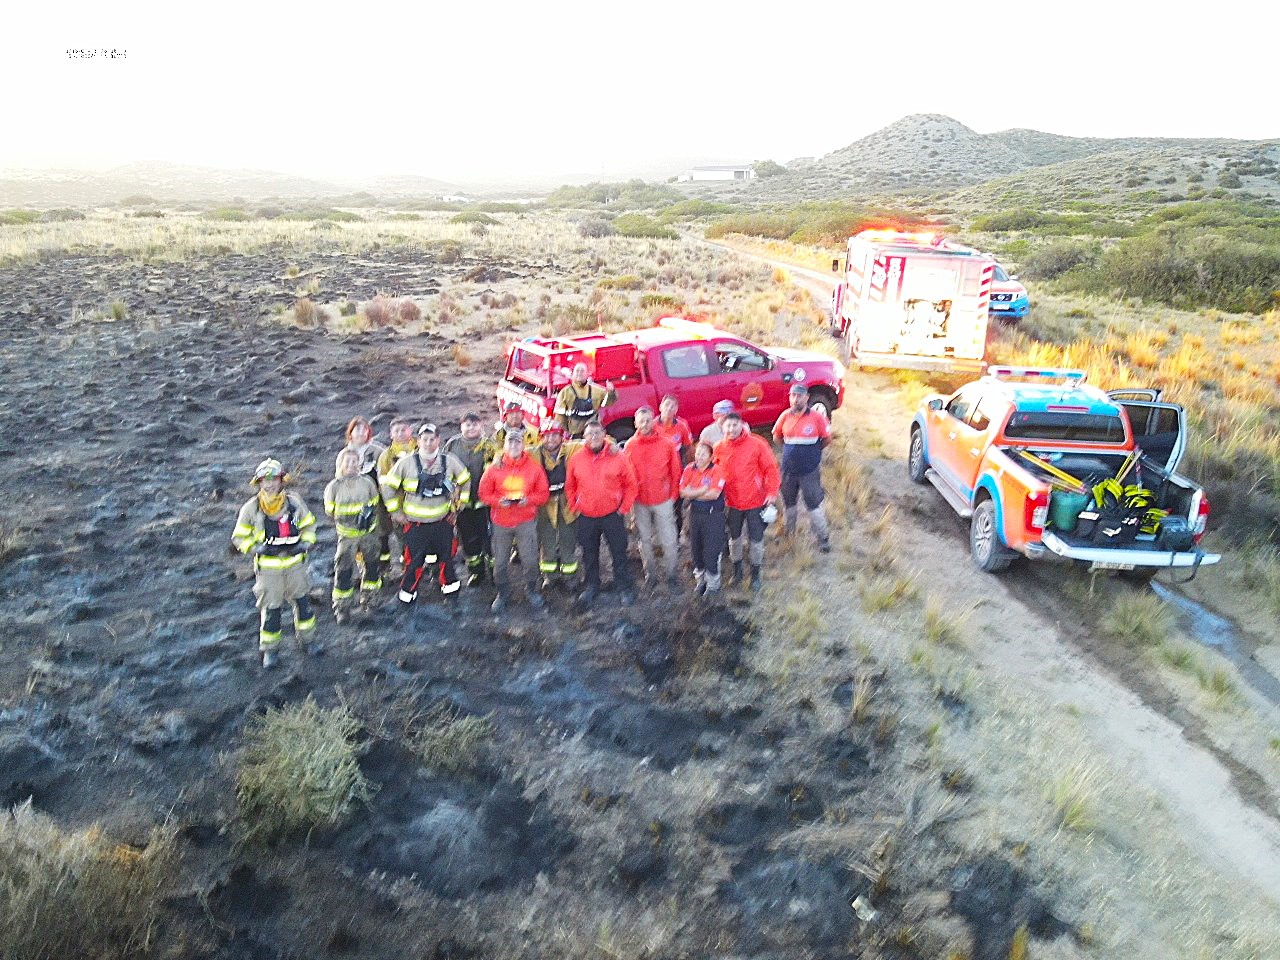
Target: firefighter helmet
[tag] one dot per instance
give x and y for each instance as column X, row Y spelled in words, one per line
column 268, row 468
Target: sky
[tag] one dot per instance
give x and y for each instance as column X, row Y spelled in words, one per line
column 469, row 90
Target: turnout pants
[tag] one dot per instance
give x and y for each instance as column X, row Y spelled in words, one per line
column 557, row 547
column 430, row 549
column 353, row 552
column 273, row 588
column 474, row 537
column 525, row 538
column 656, row 524
column 614, row 531
column 746, row 534
column 809, row 486
column 706, row 541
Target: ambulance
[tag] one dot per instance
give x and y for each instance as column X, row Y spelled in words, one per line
column 914, row 301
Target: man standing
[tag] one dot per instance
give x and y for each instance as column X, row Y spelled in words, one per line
column 401, row 446
column 713, row 432
column 514, row 487
column 657, row 467
column 422, row 492
column 600, row 486
column 557, row 524
column 278, row 529
column 581, row 401
column 751, row 482
column 473, row 452
column 803, row 433
column 351, row 499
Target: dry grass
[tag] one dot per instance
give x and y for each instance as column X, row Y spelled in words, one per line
column 444, row 739
column 1138, row 619
column 299, row 770
column 77, row 894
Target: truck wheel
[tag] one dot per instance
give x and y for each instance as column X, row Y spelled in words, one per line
column 916, row 463
column 621, row 430
column 822, row 401
column 988, row 552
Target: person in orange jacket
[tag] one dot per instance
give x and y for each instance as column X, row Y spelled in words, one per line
column 514, row 487
column 657, row 466
column 600, row 486
column 752, row 482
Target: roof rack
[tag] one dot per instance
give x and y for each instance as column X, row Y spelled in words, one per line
column 1073, row 377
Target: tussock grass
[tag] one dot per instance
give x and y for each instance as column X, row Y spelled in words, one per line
column 1072, row 795
column 1138, row 619
column 78, row 894
column 299, row 770
column 444, row 739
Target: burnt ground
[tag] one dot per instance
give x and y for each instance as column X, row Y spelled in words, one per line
column 647, row 794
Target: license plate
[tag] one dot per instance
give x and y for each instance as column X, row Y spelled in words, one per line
column 1108, row 565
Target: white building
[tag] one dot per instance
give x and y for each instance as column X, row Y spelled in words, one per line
column 730, row 171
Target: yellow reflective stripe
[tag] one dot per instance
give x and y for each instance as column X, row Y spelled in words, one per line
column 279, row 563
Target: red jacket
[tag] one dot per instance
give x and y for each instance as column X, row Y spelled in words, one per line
column 657, row 466
column 507, row 478
column 597, row 484
column 751, row 473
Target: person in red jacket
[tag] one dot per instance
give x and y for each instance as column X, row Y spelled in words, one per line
column 752, row 481
column 513, row 487
column 600, row 486
column 657, row 466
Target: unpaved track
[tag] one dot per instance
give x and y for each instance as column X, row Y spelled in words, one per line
column 1033, row 638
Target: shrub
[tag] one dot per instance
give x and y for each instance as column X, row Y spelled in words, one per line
column 299, row 770
column 595, row 228
column 67, row 894
column 474, row 216
column 638, row 225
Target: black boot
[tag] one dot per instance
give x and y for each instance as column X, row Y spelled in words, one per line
column 757, row 581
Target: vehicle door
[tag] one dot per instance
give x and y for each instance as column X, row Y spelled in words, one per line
column 951, row 438
column 690, row 372
column 748, row 378
column 1159, row 429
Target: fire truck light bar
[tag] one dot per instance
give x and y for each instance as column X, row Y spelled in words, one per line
column 1042, row 373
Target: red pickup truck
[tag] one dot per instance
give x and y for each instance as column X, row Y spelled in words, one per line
column 694, row 361
column 1062, row 471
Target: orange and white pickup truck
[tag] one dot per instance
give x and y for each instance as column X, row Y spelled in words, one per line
column 1062, row 470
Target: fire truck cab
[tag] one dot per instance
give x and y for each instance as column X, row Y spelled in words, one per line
column 914, row 301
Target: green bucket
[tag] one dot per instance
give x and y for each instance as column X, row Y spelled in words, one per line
column 1064, row 509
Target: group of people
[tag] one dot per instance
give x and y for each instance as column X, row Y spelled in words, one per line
column 543, row 499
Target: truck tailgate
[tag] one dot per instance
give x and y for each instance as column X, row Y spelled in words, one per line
column 1135, row 555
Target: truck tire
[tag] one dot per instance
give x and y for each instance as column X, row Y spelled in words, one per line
column 988, row 552
column 916, row 463
column 621, row 430
column 823, row 400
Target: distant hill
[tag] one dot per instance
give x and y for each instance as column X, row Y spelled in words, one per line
column 930, row 154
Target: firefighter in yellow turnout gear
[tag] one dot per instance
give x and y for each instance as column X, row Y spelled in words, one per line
column 277, row 529
column 557, row 524
column 352, row 500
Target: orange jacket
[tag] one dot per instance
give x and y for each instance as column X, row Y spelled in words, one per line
column 751, row 473
column 597, row 484
column 657, row 465
column 514, row 479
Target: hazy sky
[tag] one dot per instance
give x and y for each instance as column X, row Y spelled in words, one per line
column 483, row 88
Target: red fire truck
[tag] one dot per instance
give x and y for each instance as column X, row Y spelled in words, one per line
column 913, row 300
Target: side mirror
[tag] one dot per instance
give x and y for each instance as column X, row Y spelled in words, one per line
column 835, row 265
column 935, row 403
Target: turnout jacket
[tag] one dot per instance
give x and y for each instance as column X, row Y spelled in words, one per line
column 751, row 474
column 576, row 405
column 352, row 502
column 597, row 484
column 521, row 478
column 283, row 536
column 556, row 509
column 657, row 466
column 424, row 490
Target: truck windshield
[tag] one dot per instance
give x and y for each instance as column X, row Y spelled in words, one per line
column 1072, row 427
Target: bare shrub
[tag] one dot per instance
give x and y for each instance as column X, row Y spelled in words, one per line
column 68, row 895
column 298, row 770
